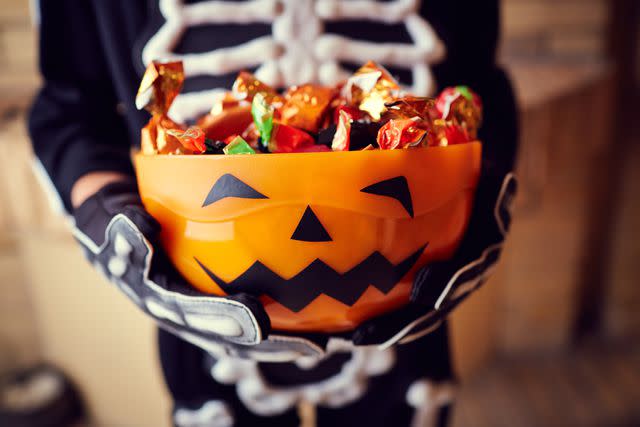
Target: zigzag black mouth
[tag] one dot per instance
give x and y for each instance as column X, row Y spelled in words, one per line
column 318, row 278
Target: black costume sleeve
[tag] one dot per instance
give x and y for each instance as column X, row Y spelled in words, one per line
column 74, row 123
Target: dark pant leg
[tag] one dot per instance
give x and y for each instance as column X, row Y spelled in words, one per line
column 424, row 361
column 191, row 386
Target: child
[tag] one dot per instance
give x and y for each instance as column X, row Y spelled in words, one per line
column 221, row 362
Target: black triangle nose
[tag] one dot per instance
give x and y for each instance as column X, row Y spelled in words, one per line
column 310, row 229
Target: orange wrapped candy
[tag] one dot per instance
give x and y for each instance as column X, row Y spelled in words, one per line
column 306, row 106
column 247, row 86
column 156, row 139
column 230, row 121
column 191, row 139
column 223, row 104
column 161, row 83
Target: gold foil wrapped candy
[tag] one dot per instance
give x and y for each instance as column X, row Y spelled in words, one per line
column 247, row 86
column 161, row 83
column 370, row 88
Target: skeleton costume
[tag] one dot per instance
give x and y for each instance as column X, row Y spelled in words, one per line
column 222, row 363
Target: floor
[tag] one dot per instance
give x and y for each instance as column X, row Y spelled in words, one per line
column 596, row 386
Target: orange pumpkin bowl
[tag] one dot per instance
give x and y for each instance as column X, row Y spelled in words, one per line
column 326, row 240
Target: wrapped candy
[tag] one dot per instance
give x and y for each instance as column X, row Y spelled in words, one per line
column 287, row 139
column 233, row 120
column 364, row 112
column 262, row 114
column 247, row 86
column 353, row 113
column 161, row 83
column 155, row 138
column 238, row 146
column 342, row 136
column 402, row 133
column 461, row 106
column 223, row 104
column 370, row 88
column 191, row 139
column 305, row 106
column 446, row 133
column 409, row 107
column 251, row 135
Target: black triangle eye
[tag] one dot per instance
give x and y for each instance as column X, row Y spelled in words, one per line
column 230, row 186
column 397, row 188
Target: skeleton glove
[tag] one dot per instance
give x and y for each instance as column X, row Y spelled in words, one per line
column 118, row 237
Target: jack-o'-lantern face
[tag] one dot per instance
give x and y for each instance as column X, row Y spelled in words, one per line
column 326, row 240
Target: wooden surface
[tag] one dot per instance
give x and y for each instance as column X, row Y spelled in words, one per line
column 597, row 386
column 556, row 29
column 562, row 148
column 621, row 309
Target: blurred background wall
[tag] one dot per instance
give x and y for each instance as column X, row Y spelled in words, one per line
column 569, row 273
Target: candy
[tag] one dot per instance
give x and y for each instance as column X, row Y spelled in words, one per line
column 161, row 83
column 231, row 121
column 409, row 107
column 305, row 106
column 262, row 114
column 286, row 139
column 192, row 139
column 447, row 133
column 462, row 107
column 247, row 86
column 353, row 113
column 370, row 88
column 225, row 103
column 148, row 137
column 238, row 146
column 341, row 138
column 364, row 112
column 156, row 139
column 402, row 133
column 251, row 135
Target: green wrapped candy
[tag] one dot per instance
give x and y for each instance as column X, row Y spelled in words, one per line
column 262, row 114
column 238, row 146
